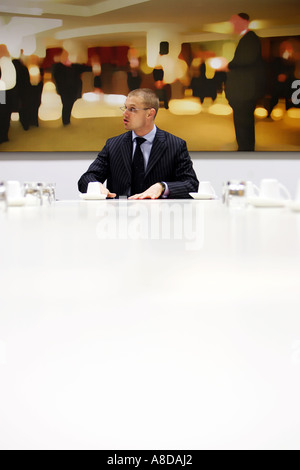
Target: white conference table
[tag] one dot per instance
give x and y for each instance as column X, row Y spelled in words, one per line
column 149, row 325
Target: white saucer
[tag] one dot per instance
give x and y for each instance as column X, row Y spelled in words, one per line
column 266, row 202
column 202, row 196
column 18, row 202
column 92, row 197
column 295, row 206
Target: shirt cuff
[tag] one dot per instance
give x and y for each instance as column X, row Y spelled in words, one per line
column 166, row 191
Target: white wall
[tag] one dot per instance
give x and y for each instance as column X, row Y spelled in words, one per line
column 66, row 168
column 218, row 171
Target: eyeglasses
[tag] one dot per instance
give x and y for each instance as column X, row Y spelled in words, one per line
column 132, row 110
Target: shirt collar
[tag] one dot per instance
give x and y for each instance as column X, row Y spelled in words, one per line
column 245, row 31
column 149, row 137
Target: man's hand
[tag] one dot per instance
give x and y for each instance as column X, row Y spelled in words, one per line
column 154, row 192
column 104, row 190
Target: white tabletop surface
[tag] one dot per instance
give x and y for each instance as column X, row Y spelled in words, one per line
column 149, row 325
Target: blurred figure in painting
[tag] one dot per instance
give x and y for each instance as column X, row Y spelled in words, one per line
column 245, row 81
column 22, row 97
column 36, row 73
column 68, row 82
column 281, row 74
column 7, row 90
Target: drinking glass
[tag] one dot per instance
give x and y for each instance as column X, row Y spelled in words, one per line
column 51, row 187
column 234, row 194
column 3, row 198
column 46, row 193
column 33, row 193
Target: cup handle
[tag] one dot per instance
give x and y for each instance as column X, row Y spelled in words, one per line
column 285, row 190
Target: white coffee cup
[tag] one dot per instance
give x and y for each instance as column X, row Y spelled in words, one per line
column 206, row 188
column 94, row 188
column 272, row 189
column 13, row 190
column 251, row 189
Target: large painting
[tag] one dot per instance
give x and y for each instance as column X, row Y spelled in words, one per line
column 67, row 66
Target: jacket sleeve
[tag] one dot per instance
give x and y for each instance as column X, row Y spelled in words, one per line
column 185, row 180
column 98, row 171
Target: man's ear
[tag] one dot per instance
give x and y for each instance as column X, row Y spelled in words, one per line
column 152, row 112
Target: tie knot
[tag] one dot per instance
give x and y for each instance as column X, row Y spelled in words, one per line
column 140, row 140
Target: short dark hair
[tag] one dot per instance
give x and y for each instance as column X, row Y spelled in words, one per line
column 245, row 16
column 148, row 96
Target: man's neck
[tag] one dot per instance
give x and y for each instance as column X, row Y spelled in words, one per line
column 143, row 132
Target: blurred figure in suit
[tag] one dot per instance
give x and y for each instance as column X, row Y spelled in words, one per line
column 134, row 76
column 68, row 81
column 22, row 104
column 245, row 81
column 36, row 89
column 198, row 83
column 163, row 90
column 281, row 78
column 204, row 87
column 7, row 90
column 97, row 69
column 28, row 91
column 145, row 162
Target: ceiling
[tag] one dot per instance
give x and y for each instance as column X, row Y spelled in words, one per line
column 110, row 22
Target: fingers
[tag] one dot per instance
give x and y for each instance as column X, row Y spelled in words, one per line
column 153, row 192
column 106, row 191
column 148, row 195
column 145, row 195
column 135, row 196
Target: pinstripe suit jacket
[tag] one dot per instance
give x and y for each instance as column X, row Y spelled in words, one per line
column 169, row 161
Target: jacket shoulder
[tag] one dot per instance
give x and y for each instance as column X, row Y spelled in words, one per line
column 118, row 139
column 168, row 137
column 251, row 36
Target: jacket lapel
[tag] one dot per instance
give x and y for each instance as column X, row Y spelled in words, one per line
column 126, row 151
column 158, row 148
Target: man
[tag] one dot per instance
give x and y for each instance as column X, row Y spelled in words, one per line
column 68, row 82
column 7, row 91
column 145, row 162
column 23, row 92
column 245, row 81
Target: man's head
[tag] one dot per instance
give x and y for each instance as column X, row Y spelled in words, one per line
column 141, row 107
column 64, row 57
column 240, row 22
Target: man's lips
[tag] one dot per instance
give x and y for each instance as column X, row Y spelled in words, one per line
column 125, row 121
